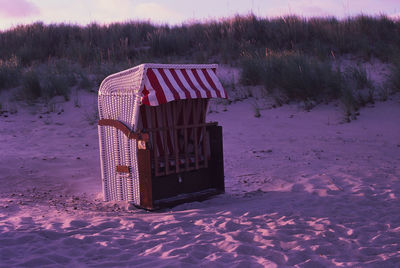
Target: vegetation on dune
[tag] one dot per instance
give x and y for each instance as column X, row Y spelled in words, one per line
column 225, row 39
column 293, row 76
column 394, row 78
column 291, row 55
column 298, row 76
column 46, row 81
column 31, row 88
column 9, row 73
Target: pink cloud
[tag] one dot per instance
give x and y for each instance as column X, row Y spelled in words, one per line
column 17, row 8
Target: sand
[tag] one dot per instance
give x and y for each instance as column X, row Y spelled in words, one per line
column 302, row 189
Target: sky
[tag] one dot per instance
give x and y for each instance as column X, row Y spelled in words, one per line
column 175, row 12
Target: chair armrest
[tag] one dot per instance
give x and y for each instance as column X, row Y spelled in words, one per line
column 121, row 126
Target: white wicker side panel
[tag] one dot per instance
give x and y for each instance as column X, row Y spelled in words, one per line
column 103, row 163
column 118, row 100
column 126, row 184
column 117, row 150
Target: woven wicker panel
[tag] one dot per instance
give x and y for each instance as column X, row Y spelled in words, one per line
column 117, row 101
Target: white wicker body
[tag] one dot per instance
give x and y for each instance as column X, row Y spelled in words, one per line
column 118, row 100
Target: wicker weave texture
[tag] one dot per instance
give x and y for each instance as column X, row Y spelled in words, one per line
column 117, row 100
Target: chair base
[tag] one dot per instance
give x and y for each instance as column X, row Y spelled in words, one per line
column 188, row 186
column 182, row 199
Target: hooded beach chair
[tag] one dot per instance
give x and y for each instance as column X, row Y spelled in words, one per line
column 156, row 148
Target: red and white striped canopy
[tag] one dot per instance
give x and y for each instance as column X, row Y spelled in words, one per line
column 165, row 83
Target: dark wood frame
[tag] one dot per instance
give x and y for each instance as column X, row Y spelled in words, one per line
column 186, row 185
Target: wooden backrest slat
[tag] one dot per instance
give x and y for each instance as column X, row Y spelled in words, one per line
column 185, row 133
column 204, row 134
column 155, row 144
column 176, row 145
column 195, row 142
column 163, row 110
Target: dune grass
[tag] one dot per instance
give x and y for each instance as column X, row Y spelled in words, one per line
column 292, row 76
column 358, row 75
column 394, row 77
column 298, row 76
column 225, row 39
column 295, row 52
column 45, row 81
column 31, row 88
column 10, row 73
